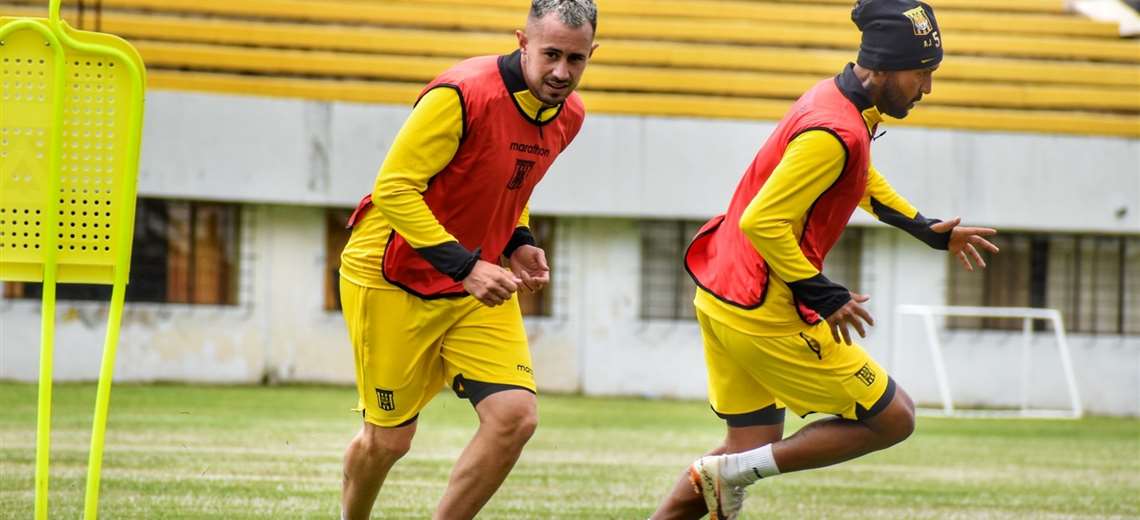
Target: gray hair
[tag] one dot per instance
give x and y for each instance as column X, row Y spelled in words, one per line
column 573, row 13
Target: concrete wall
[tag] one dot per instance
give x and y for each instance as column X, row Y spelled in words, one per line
column 211, row 147
column 285, row 159
column 593, row 343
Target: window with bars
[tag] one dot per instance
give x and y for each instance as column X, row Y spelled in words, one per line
column 336, row 236
column 183, row 252
column 539, row 304
column 1094, row 280
column 667, row 289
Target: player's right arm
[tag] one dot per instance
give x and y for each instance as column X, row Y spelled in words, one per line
column 424, row 146
column 811, row 164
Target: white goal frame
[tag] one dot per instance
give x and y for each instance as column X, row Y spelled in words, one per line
column 1028, row 316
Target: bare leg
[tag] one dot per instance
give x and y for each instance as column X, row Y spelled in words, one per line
column 682, row 502
column 831, row 441
column 821, row 443
column 507, row 420
column 366, row 463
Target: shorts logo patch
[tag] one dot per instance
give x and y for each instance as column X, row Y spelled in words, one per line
column 386, row 399
column 866, row 375
column 524, row 368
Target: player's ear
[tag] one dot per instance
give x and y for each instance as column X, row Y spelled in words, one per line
column 521, row 35
column 878, row 77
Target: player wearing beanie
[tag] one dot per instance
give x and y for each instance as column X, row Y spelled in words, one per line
column 775, row 329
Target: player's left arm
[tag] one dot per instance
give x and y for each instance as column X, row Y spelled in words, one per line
column 882, row 201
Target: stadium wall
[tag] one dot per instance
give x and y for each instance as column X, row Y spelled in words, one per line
column 286, row 160
column 214, row 147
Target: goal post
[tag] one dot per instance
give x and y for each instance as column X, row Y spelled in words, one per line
column 1027, row 315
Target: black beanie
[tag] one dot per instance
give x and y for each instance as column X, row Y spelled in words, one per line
column 897, row 34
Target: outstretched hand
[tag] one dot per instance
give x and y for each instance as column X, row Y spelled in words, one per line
column 965, row 241
column 529, row 264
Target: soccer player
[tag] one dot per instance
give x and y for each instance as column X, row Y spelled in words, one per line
column 775, row 329
column 425, row 298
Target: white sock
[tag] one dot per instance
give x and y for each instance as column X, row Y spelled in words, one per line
column 747, row 467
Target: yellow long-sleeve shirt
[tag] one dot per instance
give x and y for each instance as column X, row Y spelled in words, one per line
column 424, row 146
column 774, row 221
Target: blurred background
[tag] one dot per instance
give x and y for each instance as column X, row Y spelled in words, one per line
column 267, row 120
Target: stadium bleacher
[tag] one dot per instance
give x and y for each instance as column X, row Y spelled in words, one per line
column 1016, row 65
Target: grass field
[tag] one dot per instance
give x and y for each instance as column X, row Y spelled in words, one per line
column 274, row 452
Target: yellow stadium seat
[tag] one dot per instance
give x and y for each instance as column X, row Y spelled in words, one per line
column 1024, row 57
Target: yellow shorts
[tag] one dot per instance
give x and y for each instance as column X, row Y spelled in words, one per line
column 406, row 348
column 753, row 378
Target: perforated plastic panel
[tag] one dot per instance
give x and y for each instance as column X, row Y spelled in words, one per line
column 100, row 105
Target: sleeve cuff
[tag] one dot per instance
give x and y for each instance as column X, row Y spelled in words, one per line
column 521, row 237
column 820, row 294
column 918, row 227
column 451, row 259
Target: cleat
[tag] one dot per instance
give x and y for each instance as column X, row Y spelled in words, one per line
column 722, row 499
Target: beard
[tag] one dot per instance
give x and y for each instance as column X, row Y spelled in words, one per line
column 549, row 96
column 895, row 102
column 551, row 99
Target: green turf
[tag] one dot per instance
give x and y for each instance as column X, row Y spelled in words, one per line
column 274, row 452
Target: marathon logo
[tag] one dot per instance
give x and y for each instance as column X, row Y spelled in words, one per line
column 533, row 149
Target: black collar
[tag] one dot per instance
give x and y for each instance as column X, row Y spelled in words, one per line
column 510, row 68
column 853, row 89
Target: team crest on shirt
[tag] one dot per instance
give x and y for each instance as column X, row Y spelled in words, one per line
column 386, row 399
column 522, row 167
column 921, row 22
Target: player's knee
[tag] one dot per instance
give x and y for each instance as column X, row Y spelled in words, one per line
column 386, row 444
column 901, row 422
column 904, row 425
column 522, row 425
column 390, row 448
column 892, row 428
column 906, row 421
column 895, row 423
column 526, row 427
column 516, row 426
